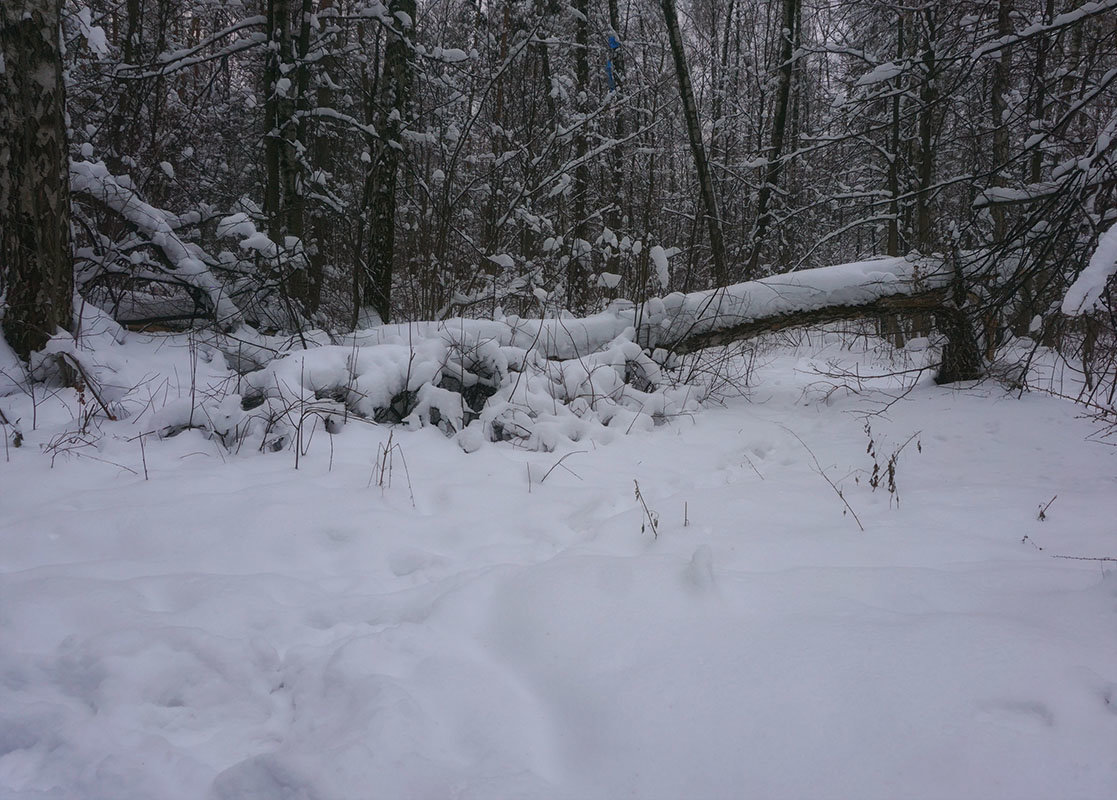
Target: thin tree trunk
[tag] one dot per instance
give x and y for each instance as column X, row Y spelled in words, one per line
column 697, row 147
column 324, row 159
column 997, row 107
column 619, row 193
column 779, row 128
column 1031, row 302
column 928, row 97
column 380, row 187
column 490, row 235
column 894, row 162
column 35, row 259
column 892, row 327
column 1039, row 110
column 281, row 205
column 722, row 84
column 304, row 285
column 578, row 267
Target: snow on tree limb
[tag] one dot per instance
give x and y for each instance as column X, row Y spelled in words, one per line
column 93, row 179
column 686, row 322
column 1085, row 293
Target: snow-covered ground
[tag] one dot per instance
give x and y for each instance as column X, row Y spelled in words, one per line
column 506, row 624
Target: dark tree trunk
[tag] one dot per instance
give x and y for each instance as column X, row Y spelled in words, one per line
column 1002, row 67
column 892, row 327
column 1039, row 110
column 928, row 97
column 35, row 259
column 283, row 84
column 616, row 214
column 697, row 147
column 961, row 355
column 578, row 267
column 779, row 129
column 894, row 161
column 324, row 152
column 380, row 187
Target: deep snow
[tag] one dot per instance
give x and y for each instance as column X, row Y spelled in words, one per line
column 492, row 625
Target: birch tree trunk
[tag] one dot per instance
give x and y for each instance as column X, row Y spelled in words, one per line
column 35, row 259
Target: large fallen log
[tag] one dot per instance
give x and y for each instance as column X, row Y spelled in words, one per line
column 543, row 381
column 684, row 323
column 927, row 301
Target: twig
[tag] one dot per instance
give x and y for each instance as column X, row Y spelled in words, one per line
column 822, row 472
column 652, row 517
column 143, row 455
column 1043, row 509
column 559, row 464
column 69, row 360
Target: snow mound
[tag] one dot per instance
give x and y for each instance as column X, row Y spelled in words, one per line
column 474, row 387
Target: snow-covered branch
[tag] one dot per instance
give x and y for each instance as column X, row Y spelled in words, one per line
column 92, row 179
column 687, row 322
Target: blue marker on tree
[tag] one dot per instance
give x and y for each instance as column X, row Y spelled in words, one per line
column 613, row 45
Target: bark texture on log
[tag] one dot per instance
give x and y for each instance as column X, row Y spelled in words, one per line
column 684, row 323
column 35, row 255
column 885, row 307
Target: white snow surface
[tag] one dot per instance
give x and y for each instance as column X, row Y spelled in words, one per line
column 503, row 623
column 1085, row 293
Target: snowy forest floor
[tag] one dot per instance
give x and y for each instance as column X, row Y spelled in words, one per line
column 506, row 624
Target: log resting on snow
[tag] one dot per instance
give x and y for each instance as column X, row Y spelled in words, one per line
column 684, row 323
column 539, row 382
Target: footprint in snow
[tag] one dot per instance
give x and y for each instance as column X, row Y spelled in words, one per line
column 1021, row 714
column 698, row 575
column 407, row 562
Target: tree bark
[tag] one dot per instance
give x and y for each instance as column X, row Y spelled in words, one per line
column 928, row 97
column 285, row 81
column 892, row 327
column 893, row 247
column 616, row 213
column 697, row 147
column 323, row 149
column 380, row 186
column 35, row 257
column 578, row 267
column 1002, row 67
column 1039, row 110
column 779, row 129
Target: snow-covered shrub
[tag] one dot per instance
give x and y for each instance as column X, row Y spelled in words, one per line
column 472, row 386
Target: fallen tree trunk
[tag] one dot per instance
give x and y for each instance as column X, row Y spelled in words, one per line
column 929, row 300
column 684, row 323
column 540, row 382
